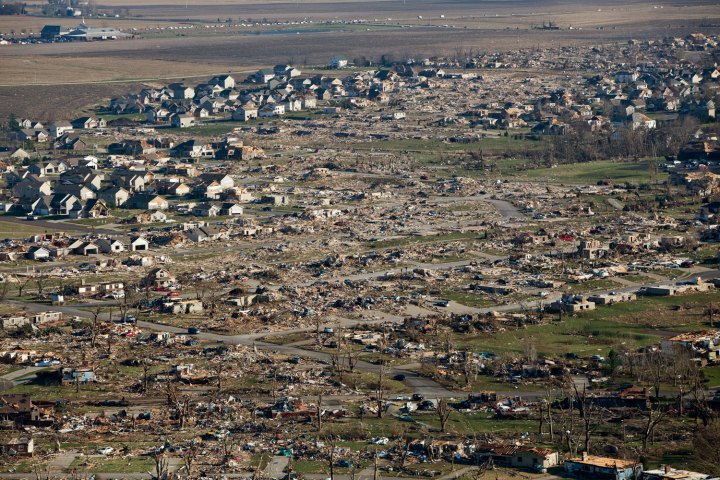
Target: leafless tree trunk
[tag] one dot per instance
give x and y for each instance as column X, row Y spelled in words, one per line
column 4, row 290
column 22, row 284
column 95, row 326
column 443, row 413
column 219, row 372
column 146, row 374
column 380, row 390
column 40, row 279
column 162, row 465
column 655, row 414
column 189, row 456
column 319, row 412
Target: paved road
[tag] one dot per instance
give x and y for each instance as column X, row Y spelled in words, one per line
column 17, row 374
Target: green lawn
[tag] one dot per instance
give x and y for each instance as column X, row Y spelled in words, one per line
column 21, row 230
column 444, row 237
column 486, row 145
column 591, row 172
column 630, row 325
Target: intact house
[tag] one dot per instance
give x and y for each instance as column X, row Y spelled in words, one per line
column 138, row 244
column 83, row 247
column 110, row 245
column 247, row 112
column 46, row 168
column 57, row 129
column 223, row 81
column 88, row 122
column 271, row 110
column 182, row 121
column 148, row 202
column 37, row 252
column 231, row 209
column 32, row 186
column 205, row 210
column 114, row 196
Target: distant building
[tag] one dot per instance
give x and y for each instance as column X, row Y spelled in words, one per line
column 338, row 61
column 51, row 32
column 87, row 33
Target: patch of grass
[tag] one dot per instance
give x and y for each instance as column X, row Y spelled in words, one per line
column 591, row 172
column 487, row 145
column 304, row 467
column 632, row 325
column 24, row 466
column 21, row 230
column 444, row 237
column 468, row 299
column 712, row 375
column 113, row 465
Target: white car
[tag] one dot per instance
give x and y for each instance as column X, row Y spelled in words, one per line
column 105, row 450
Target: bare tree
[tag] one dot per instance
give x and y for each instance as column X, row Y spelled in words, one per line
column 189, row 456
column 228, row 445
column 653, row 416
column 319, row 411
column 653, row 370
column 4, row 290
column 590, row 414
column 21, row 284
column 706, row 449
column 95, row 326
column 219, row 374
column 213, row 296
column 162, row 466
column 332, row 446
column 380, row 389
column 443, row 413
column 40, row 279
column 128, row 300
column 146, row 375
column 317, row 321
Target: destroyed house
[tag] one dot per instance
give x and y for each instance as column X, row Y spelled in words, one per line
column 704, row 346
column 72, row 376
column 594, row 467
column 18, row 409
column 515, row 456
column 17, row 446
